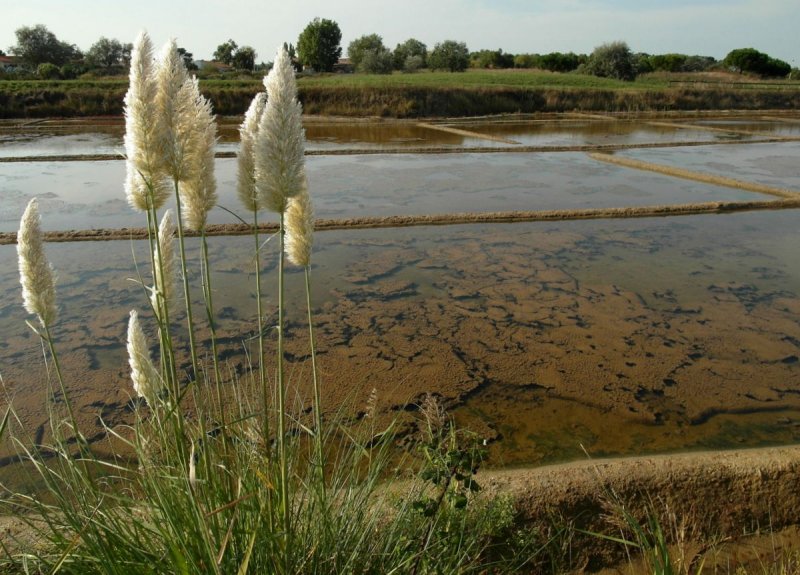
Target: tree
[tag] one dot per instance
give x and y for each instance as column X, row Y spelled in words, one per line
column 752, row 61
column 105, row 54
column 298, row 67
column 408, row 49
column 376, row 62
column 494, row 59
column 224, row 52
column 188, row 59
column 38, row 45
column 613, row 60
column 360, row 46
column 318, row 45
column 244, row 58
column 2, row 53
column 449, row 55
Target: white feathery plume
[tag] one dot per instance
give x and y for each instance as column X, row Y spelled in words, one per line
column 299, row 222
column 281, row 139
column 164, row 256
column 146, row 381
column 143, row 133
column 199, row 189
column 172, row 105
column 35, row 272
column 248, row 133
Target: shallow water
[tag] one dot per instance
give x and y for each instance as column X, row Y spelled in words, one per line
column 771, row 164
column 538, row 336
column 86, row 195
column 617, row 336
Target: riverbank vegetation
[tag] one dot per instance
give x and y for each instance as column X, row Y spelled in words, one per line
column 430, row 94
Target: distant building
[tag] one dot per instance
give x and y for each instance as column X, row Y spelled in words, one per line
column 343, row 66
column 8, row 63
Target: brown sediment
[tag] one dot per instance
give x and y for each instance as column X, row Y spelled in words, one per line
column 432, row 150
column 696, row 176
column 466, row 133
column 792, row 200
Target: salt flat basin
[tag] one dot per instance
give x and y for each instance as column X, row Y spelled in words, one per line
column 85, row 195
column 771, row 164
column 625, row 336
column 56, row 137
column 591, row 132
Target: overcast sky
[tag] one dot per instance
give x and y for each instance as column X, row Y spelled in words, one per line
column 704, row 27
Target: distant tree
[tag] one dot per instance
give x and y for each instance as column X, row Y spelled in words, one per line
column 318, row 44
column 409, row 48
column 491, row 59
column 750, row 60
column 794, row 74
column 48, row 71
column 698, row 63
column 244, row 58
column 126, row 54
column 413, row 64
column 667, row 62
column 613, row 60
column 38, row 45
column 298, row 67
column 527, row 61
column 376, row 62
column 360, row 46
column 449, row 55
column 188, row 59
column 105, row 54
column 225, row 51
column 2, row 53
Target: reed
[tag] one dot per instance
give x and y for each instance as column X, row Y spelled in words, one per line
column 224, row 491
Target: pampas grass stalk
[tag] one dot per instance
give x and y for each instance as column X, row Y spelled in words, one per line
column 279, row 175
column 248, row 194
column 299, row 242
column 174, row 110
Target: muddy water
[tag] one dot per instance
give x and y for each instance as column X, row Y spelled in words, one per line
column 621, row 336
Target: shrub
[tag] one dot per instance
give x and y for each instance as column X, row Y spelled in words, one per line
column 48, row 71
column 613, row 60
column 411, row 47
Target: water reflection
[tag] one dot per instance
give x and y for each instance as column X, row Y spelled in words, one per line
column 85, row 195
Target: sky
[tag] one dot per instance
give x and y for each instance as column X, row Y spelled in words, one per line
column 703, row 27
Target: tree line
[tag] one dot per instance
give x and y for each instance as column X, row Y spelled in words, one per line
column 319, row 49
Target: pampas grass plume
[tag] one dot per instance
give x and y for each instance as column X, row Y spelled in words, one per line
column 300, row 228
column 35, row 272
column 146, row 381
column 279, row 162
column 172, row 105
column 248, row 134
column 199, row 190
column 164, row 257
column 143, row 133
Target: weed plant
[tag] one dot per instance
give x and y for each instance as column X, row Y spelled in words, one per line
column 241, row 485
